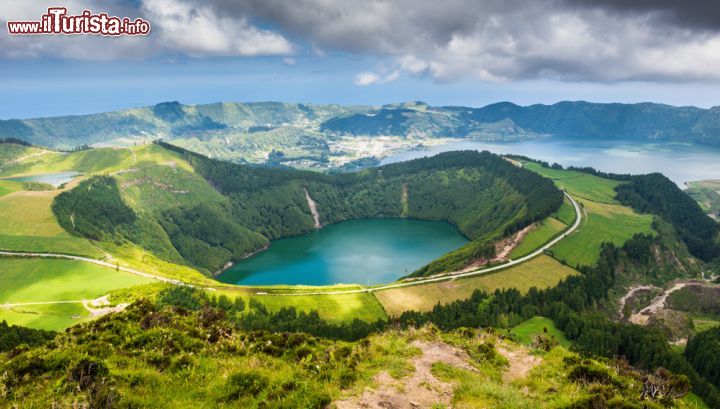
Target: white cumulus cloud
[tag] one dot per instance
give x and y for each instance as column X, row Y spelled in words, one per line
column 369, row 78
column 199, row 31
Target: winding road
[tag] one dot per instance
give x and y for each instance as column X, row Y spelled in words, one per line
column 444, row 277
column 90, row 260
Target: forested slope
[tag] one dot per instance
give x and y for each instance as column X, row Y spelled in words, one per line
column 483, row 195
column 655, row 193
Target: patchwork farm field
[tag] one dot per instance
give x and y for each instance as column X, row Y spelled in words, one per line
column 602, row 223
column 604, row 219
column 582, row 185
column 541, row 272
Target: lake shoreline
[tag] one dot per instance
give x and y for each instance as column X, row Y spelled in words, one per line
column 362, row 251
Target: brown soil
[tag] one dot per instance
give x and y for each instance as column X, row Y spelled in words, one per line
column 419, row 390
column 520, row 362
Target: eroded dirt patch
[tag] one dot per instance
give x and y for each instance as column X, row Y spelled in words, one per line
column 520, row 362
column 419, row 390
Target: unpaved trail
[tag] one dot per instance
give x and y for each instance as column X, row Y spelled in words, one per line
column 134, row 155
column 658, row 304
column 629, row 294
column 507, row 246
column 520, row 362
column 101, row 306
column 313, row 210
column 421, row 389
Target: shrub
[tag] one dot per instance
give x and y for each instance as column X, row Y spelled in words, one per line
column 242, row 384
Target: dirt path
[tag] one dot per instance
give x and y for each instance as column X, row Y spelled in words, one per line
column 520, row 362
column 658, row 304
column 507, row 246
column 421, row 389
column 629, row 294
column 101, row 306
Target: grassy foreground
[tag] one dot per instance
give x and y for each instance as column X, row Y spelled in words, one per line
column 159, row 356
column 540, row 272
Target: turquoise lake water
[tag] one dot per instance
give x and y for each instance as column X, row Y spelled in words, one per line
column 364, row 252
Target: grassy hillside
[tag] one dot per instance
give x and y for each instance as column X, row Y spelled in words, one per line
column 155, row 356
column 148, row 178
column 527, row 331
column 29, row 225
column 51, row 317
column 656, row 194
column 540, row 272
column 707, row 194
column 335, row 308
column 604, row 219
column 541, row 233
column 38, row 280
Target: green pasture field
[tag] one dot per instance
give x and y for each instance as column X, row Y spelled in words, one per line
column 536, row 326
column 540, row 272
column 604, row 220
column 602, row 223
column 578, row 184
column 545, row 231
column 38, row 280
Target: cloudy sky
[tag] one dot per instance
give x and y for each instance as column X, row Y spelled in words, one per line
column 450, row 52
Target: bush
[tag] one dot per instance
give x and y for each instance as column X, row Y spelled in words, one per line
column 88, row 371
column 241, row 384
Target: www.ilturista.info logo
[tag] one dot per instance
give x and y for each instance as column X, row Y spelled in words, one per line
column 57, row 21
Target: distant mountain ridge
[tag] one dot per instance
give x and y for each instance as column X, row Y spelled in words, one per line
column 499, row 121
